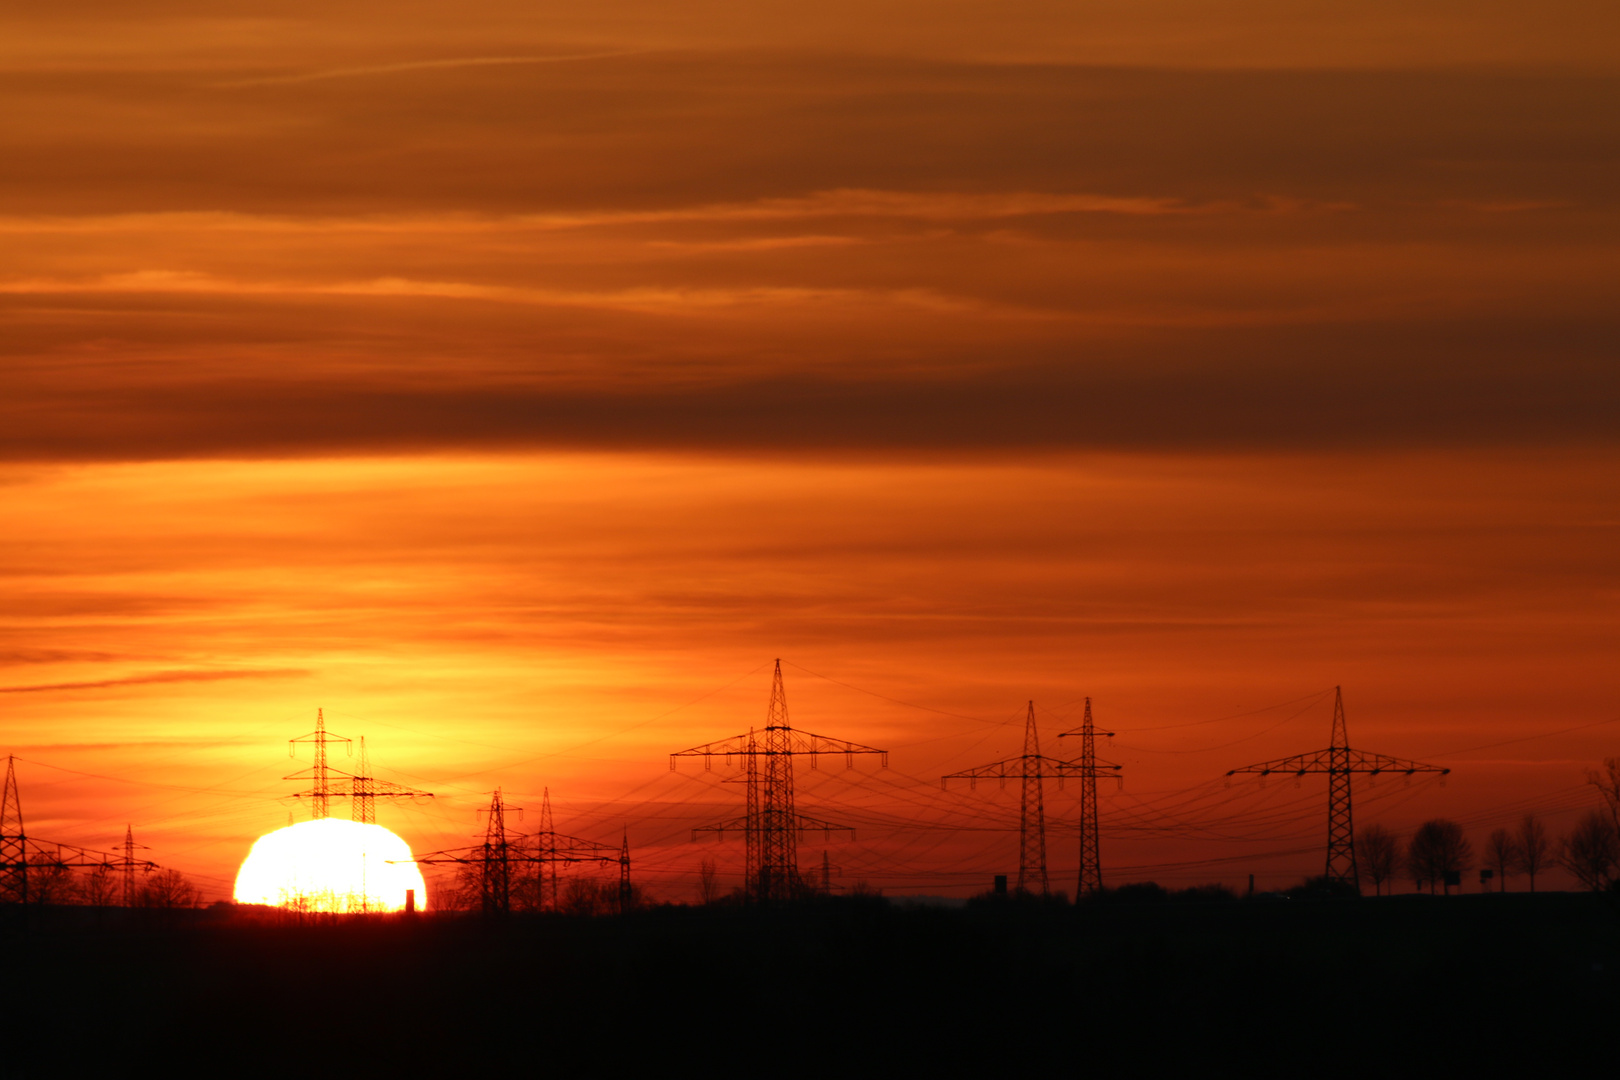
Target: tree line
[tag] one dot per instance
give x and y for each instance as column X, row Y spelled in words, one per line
column 1439, row 853
column 104, row 887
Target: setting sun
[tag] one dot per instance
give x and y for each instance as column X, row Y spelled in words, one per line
column 330, row 865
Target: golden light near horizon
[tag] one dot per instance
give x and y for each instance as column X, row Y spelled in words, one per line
column 330, row 865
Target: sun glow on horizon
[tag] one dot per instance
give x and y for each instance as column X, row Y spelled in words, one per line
column 330, row 865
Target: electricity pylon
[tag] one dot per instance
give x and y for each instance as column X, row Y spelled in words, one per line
column 1031, row 768
column 495, row 869
column 626, row 896
column 545, row 848
column 551, row 847
column 320, row 791
column 1340, row 762
column 770, row 826
column 129, row 864
column 501, row 849
column 1088, row 771
column 13, row 842
column 365, row 790
column 19, row 851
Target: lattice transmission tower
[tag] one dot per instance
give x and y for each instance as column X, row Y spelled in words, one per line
column 549, row 849
column 319, row 772
column 19, row 852
column 1088, row 772
column 327, row 782
column 771, row 826
column 365, row 790
column 13, row 842
column 496, row 860
column 1032, row 769
column 128, row 864
column 1340, row 762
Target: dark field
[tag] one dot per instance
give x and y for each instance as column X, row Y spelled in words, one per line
column 845, row 986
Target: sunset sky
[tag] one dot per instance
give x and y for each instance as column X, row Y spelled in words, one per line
column 516, row 381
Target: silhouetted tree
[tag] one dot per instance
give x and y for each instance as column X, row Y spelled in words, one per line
column 1203, row 894
column 1534, row 848
column 1137, row 892
column 100, row 888
column 1607, row 781
column 590, row 896
column 708, row 882
column 1377, row 852
column 1438, row 848
column 51, row 885
column 454, row 891
column 169, row 889
column 1591, row 851
column 1502, row 855
column 1322, row 887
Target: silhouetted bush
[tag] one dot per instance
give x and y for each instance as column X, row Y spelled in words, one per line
column 1322, row 888
column 1136, row 892
column 1212, row 892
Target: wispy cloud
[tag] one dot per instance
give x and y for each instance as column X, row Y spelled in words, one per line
column 427, row 65
column 201, row 676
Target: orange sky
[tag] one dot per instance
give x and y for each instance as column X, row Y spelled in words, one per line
column 515, row 383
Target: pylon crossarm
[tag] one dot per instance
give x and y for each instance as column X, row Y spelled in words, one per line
column 453, row 855
column 735, row 825
column 726, row 748
column 1363, row 762
column 568, row 848
column 1299, row 765
column 389, row 789
column 1017, row 768
column 1323, row 761
column 809, row 744
column 801, row 744
column 802, row 825
column 1079, row 768
column 67, row 856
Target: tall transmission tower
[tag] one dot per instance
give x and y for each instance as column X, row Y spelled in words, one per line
column 320, row 791
column 770, row 825
column 365, row 790
column 1031, row 769
column 502, row 849
column 13, row 842
column 1089, row 769
column 128, row 864
column 551, row 848
column 545, row 848
column 326, row 782
column 495, row 870
column 626, row 894
column 1340, row 762
column 19, row 851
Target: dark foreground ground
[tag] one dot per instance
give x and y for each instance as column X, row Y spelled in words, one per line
column 843, row 987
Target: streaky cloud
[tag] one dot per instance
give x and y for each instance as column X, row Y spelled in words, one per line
column 158, row 677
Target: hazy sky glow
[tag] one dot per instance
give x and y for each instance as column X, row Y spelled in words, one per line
column 516, row 381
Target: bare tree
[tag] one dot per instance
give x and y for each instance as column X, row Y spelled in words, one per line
column 1502, row 855
column 1607, row 781
column 100, row 888
column 1535, row 848
column 593, row 896
column 1376, row 855
column 708, row 882
column 51, row 884
column 1591, row 851
column 169, row 889
column 581, row 896
column 1438, row 848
